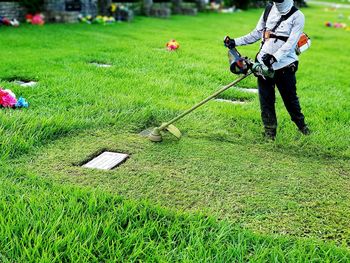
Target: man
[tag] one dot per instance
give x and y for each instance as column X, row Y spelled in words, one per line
column 280, row 28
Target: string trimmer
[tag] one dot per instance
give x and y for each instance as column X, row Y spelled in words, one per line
column 238, row 65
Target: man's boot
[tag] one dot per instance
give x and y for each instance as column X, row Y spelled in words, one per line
column 270, row 133
column 304, row 129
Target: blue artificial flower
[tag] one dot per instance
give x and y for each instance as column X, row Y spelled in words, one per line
column 21, row 103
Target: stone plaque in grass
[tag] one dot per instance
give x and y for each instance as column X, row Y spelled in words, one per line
column 231, row 101
column 250, row 90
column 101, row 65
column 107, row 161
column 25, row 83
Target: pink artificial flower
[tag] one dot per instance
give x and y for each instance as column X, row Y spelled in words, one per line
column 38, row 19
column 7, row 98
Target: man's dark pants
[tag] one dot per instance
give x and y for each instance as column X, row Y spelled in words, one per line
column 285, row 81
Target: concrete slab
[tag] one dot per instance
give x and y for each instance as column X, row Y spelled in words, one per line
column 106, row 161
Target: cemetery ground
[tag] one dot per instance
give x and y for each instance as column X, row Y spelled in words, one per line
column 220, row 194
column 336, row 1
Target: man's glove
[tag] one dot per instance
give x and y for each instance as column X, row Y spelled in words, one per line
column 229, row 43
column 268, row 60
column 260, row 70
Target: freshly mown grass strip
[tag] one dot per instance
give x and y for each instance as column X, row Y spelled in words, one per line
column 44, row 222
column 259, row 188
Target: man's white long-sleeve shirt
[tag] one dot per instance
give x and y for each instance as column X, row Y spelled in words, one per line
column 283, row 51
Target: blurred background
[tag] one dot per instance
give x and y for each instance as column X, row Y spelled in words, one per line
column 70, row 11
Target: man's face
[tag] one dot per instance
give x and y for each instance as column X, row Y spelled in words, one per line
column 283, row 6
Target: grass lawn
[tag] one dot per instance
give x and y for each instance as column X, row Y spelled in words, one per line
column 220, row 194
column 335, row 1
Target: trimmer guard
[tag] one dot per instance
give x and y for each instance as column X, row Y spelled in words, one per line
column 174, row 131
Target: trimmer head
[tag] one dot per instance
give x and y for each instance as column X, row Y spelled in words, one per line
column 155, row 135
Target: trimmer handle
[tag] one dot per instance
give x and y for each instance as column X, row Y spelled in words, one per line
column 229, row 42
column 261, row 70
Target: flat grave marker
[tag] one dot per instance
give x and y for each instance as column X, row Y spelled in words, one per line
column 231, row 101
column 106, row 161
column 101, row 65
column 250, row 90
column 23, row 83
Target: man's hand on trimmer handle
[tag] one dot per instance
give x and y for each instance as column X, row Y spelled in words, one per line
column 229, row 43
column 268, row 60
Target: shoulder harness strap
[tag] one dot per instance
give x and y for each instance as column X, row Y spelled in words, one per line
column 267, row 11
column 285, row 17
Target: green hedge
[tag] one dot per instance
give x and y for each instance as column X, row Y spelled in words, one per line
column 32, row 6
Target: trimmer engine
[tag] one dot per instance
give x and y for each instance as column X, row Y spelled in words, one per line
column 238, row 64
column 241, row 65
